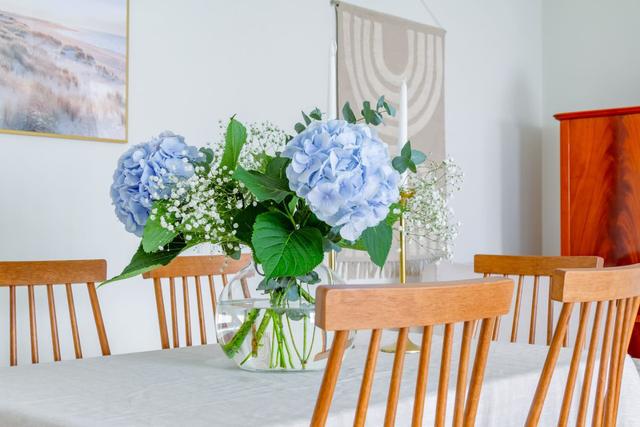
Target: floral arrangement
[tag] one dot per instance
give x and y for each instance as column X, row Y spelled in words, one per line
column 289, row 199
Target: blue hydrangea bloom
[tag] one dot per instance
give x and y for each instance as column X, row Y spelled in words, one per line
column 344, row 173
column 144, row 174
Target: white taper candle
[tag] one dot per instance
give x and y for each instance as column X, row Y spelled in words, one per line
column 333, row 95
column 403, row 117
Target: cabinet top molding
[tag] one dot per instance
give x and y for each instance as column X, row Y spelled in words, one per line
column 597, row 113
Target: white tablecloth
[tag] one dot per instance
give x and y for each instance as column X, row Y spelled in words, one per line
column 198, row 386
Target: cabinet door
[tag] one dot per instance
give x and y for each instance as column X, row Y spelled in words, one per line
column 600, row 162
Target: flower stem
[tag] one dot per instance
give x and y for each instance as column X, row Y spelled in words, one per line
column 257, row 338
column 263, row 327
column 273, row 347
column 293, row 342
column 313, row 338
column 304, row 341
column 232, row 347
column 307, row 296
column 283, row 343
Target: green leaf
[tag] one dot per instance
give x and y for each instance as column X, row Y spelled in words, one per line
column 392, row 216
column 208, row 155
column 271, row 284
column 293, row 292
column 389, row 109
column 292, row 204
column 143, row 261
column 366, row 107
column 358, row 245
column 306, row 118
column 263, row 187
column 347, row 113
column 377, row 240
column 400, row 164
column 380, row 103
column 154, row 235
column 277, row 167
column 330, row 245
column 406, row 151
column 418, row 157
column 284, row 250
column 235, row 138
column 412, row 166
column 299, row 127
column 370, row 116
column 245, row 219
column 316, row 114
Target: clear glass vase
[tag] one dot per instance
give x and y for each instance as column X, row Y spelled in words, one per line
column 273, row 331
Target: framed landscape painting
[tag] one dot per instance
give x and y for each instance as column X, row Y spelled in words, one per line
column 63, row 68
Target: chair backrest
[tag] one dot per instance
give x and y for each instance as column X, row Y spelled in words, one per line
column 377, row 307
column 194, row 267
column 617, row 288
column 533, row 270
column 30, row 274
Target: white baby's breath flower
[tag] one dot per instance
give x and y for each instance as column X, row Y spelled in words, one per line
column 428, row 215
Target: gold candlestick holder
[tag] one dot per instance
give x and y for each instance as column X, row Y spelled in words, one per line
column 331, row 261
column 405, row 195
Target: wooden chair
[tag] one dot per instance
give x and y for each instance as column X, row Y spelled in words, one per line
column 50, row 274
column 195, row 267
column 378, row 307
column 535, row 267
column 617, row 288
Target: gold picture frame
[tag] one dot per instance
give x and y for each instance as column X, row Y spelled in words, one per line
column 61, row 135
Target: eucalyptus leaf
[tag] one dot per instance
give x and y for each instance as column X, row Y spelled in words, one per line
column 368, row 113
column 235, row 138
column 400, row 164
column 299, row 127
column 380, row 103
column 390, row 109
column 406, row 150
column 234, row 253
column 316, row 114
column 310, row 279
column 293, row 292
column 284, row 250
column 296, row 314
column 418, row 157
column 269, row 284
column 306, row 118
column 330, row 245
column 347, row 114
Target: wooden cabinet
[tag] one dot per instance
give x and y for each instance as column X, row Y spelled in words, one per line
column 600, row 187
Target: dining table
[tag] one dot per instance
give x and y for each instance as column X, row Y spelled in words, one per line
column 199, row 386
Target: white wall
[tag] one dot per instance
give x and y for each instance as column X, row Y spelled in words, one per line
column 195, row 62
column 591, row 61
